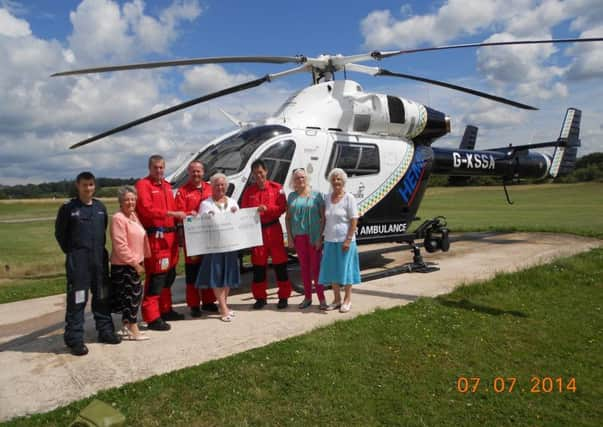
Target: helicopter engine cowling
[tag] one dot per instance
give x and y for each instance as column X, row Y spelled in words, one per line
column 343, row 105
column 389, row 115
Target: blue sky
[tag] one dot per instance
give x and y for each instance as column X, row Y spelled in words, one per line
column 40, row 117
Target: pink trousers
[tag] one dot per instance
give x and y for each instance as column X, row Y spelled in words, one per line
column 309, row 262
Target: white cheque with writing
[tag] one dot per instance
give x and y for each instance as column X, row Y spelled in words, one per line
column 226, row 232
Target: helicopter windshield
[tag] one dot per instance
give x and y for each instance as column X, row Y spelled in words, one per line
column 232, row 154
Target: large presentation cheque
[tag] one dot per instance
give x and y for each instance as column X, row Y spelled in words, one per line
column 223, row 233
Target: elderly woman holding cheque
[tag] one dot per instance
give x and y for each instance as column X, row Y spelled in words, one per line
column 130, row 247
column 305, row 223
column 340, row 266
column 219, row 271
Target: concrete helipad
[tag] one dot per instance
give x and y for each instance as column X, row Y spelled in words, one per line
column 38, row 374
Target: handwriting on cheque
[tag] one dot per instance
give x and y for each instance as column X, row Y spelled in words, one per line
column 226, row 232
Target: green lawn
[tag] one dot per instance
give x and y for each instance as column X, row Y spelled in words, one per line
column 34, row 258
column 402, row 366
column 575, row 208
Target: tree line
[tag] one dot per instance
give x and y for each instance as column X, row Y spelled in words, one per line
column 588, row 168
column 105, row 187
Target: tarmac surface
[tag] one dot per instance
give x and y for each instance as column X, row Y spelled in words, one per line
column 38, row 374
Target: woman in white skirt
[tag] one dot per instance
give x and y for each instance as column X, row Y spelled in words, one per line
column 219, row 271
column 339, row 265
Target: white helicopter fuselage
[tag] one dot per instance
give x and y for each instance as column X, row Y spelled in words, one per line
column 328, row 125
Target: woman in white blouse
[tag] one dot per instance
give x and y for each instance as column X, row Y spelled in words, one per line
column 219, row 271
column 339, row 265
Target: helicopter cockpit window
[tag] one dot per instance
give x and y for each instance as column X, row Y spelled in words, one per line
column 278, row 160
column 355, row 159
column 232, row 154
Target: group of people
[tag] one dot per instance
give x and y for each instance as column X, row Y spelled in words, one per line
column 147, row 232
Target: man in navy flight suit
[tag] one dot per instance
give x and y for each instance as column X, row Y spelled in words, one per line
column 80, row 230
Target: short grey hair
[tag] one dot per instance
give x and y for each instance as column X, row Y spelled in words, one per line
column 156, row 158
column 123, row 190
column 218, row 176
column 338, row 172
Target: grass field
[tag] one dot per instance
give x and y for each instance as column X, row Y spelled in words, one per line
column 35, row 262
column 573, row 208
column 532, row 338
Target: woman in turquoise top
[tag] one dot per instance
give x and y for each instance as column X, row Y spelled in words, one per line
column 305, row 224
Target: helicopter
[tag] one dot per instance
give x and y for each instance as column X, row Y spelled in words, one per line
column 382, row 142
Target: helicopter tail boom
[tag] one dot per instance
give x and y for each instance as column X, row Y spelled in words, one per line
column 515, row 162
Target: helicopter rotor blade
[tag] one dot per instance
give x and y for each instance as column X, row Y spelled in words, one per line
column 237, row 88
column 380, row 55
column 204, row 98
column 375, row 71
column 300, row 59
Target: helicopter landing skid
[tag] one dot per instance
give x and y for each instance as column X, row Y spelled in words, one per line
column 418, row 265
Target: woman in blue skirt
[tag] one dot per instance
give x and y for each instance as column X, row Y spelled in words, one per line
column 339, row 265
column 219, row 271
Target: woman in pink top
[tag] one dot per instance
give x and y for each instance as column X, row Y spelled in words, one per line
column 130, row 247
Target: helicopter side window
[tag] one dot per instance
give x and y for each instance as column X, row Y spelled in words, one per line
column 396, row 109
column 355, row 159
column 278, row 160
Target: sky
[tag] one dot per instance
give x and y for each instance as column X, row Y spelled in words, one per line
column 40, row 116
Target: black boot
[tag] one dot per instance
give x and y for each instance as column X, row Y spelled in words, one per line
column 172, row 316
column 78, row 349
column 211, row 306
column 282, row 303
column 109, row 338
column 259, row 304
column 159, row 325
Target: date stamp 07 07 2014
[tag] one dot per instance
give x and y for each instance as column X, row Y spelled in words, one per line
column 510, row 385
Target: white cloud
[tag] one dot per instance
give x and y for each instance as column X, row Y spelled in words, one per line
column 588, row 62
column 46, row 115
column 455, row 18
column 102, row 31
column 210, row 78
column 533, row 74
column 11, row 26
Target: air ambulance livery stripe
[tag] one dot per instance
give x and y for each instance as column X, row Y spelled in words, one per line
column 391, row 181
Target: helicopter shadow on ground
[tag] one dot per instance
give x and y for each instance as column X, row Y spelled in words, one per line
column 495, row 238
column 386, row 294
column 465, row 304
column 48, row 339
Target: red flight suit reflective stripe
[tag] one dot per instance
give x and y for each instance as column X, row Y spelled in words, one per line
column 153, row 202
column 188, row 199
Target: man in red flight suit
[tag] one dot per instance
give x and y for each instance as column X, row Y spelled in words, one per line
column 157, row 212
column 269, row 198
column 188, row 198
